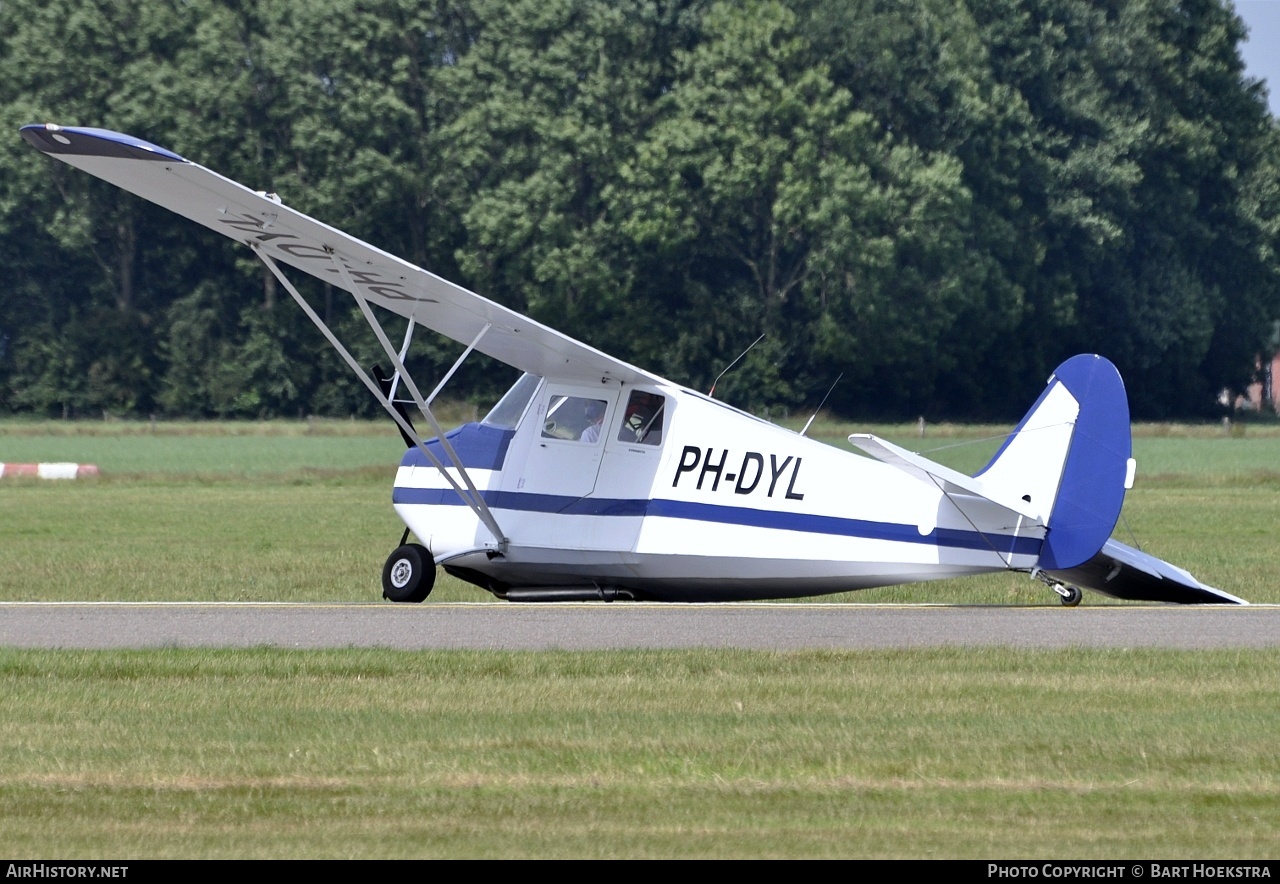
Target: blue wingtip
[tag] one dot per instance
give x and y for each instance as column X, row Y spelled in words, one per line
column 80, row 141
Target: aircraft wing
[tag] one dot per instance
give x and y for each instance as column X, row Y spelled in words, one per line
column 1126, row 573
column 264, row 223
column 1116, row 570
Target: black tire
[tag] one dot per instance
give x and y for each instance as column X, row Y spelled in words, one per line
column 409, row 574
column 1073, row 596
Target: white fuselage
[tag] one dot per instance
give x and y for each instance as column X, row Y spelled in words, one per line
column 721, row 506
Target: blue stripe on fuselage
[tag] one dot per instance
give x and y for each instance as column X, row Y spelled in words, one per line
column 729, row 515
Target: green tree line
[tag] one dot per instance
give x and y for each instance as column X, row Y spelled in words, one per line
column 937, row 200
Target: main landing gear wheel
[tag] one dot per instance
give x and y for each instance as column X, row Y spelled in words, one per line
column 1070, row 595
column 409, row 574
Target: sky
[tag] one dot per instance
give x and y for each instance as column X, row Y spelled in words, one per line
column 1261, row 51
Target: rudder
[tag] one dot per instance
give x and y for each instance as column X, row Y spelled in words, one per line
column 1071, row 454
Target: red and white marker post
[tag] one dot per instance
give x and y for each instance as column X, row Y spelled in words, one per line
column 49, row 470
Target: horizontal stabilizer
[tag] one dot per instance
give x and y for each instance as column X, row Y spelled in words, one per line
column 1123, row 572
column 949, row 481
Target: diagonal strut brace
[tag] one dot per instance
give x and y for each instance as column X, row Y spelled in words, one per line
column 409, row 383
column 470, row 495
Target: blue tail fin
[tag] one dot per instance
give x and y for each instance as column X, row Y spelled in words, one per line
column 1071, row 454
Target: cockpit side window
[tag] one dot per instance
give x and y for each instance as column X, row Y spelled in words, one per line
column 574, row 417
column 511, row 407
column 642, row 421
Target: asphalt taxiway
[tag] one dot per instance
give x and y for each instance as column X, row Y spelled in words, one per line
column 596, row 626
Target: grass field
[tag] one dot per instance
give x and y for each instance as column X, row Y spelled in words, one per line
column 719, row 754
column 297, row 511
column 377, row 753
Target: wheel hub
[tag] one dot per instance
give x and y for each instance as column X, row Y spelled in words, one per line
column 401, row 571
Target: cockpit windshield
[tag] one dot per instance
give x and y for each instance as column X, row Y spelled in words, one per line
column 510, row 408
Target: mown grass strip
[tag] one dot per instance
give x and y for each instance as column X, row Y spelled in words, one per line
column 375, row 753
column 311, row 536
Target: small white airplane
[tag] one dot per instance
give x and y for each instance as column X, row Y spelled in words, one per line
column 593, row 479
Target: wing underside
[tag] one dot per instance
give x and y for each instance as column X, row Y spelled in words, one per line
column 1126, row 573
column 289, row 237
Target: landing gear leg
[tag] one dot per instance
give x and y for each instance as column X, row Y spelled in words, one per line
column 409, row 574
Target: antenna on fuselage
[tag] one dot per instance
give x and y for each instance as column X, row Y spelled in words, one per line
column 820, row 404
column 712, row 391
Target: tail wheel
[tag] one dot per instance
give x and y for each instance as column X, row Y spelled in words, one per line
column 1070, row 595
column 409, row 574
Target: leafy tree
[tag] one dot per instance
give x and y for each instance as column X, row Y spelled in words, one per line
column 553, row 98
column 939, row 198
column 92, row 62
column 1144, row 131
column 840, row 241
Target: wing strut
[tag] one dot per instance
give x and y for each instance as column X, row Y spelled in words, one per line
column 404, row 350
column 476, row 500
column 456, row 365
column 470, row 496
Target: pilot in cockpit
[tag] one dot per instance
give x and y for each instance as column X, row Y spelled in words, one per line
column 595, row 418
